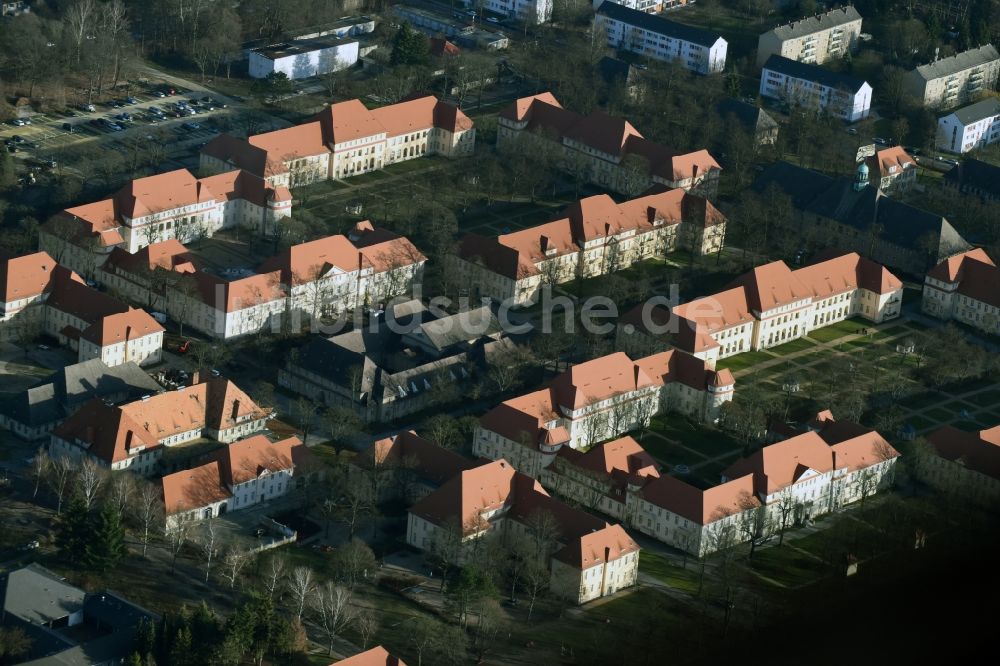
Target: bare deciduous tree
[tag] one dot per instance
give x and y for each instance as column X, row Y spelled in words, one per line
column 176, row 540
column 332, row 609
column 89, row 479
column 39, row 468
column 367, row 624
column 60, row 473
column 207, row 544
column 301, row 585
column 148, row 511
column 233, row 563
column 121, row 491
column 274, row 577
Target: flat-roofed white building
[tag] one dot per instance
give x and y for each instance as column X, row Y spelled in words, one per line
column 813, row 39
column 958, row 79
column 970, row 127
column 643, row 33
column 302, row 58
column 814, row 87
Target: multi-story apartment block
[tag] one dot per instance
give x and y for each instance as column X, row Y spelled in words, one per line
column 966, row 464
column 603, row 149
column 851, row 214
column 813, row 39
column 955, row 80
column 134, row 436
column 599, row 400
column 966, row 288
column 529, row 11
column 814, row 87
column 831, row 464
column 172, row 205
column 591, row 558
column 642, row 33
column 242, row 474
column 648, row 6
column 773, row 304
column 895, row 169
column 40, row 296
column 970, row 127
column 595, row 236
column 345, row 140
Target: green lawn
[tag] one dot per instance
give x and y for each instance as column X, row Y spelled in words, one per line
column 670, row 574
column 793, row 346
column 838, row 330
column 921, row 423
column 986, row 398
column 744, row 360
column 939, row 414
column 670, row 454
column 705, row 440
column 787, row 566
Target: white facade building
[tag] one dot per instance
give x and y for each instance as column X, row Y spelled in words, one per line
column 303, row 58
column 970, row 127
column 814, row 87
column 774, row 304
column 639, row 32
column 813, row 39
column 532, row 11
column 966, row 288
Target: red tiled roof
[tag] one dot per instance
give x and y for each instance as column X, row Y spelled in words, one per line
column 112, row 432
column 377, row 656
column 977, row 276
column 779, row 465
column 605, row 545
column 115, row 328
column 249, row 458
column 193, row 488
column 702, row 506
column 895, row 156
column 979, row 452
column 27, row 276
column 432, row 462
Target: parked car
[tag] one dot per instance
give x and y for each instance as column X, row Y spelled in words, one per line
column 117, row 104
column 20, row 122
column 491, row 19
column 160, row 317
column 131, row 100
column 191, row 127
column 68, row 127
column 17, row 138
column 51, row 163
column 880, row 141
column 159, row 93
column 124, row 117
column 89, row 108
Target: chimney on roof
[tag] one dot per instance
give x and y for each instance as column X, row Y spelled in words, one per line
column 694, row 172
column 195, row 377
column 128, row 440
column 236, row 408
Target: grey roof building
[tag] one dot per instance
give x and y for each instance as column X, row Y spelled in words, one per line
column 814, row 39
column 975, row 177
column 852, row 215
column 754, row 119
column 955, row 80
column 398, row 369
column 33, row 413
column 65, row 625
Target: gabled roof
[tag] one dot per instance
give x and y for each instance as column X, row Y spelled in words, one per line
column 170, row 255
column 657, row 24
column 113, row 433
column 981, row 177
column 377, row 656
column 956, row 63
column 979, row 452
column 977, row 276
column 862, row 451
column 254, row 456
column 164, row 191
column 193, row 488
column 291, row 143
column 751, row 116
column 595, row 548
column 121, row 327
column 620, row 455
column 27, row 276
column 815, row 73
column 517, row 254
column 309, row 261
column 434, row 463
column 810, row 24
column 599, row 379
column 607, row 134
column 702, row 507
column 884, row 160
column 470, row 494
column 973, row 113
column 235, row 295
column 779, row 465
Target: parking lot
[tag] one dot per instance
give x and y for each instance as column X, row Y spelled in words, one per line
column 175, row 122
